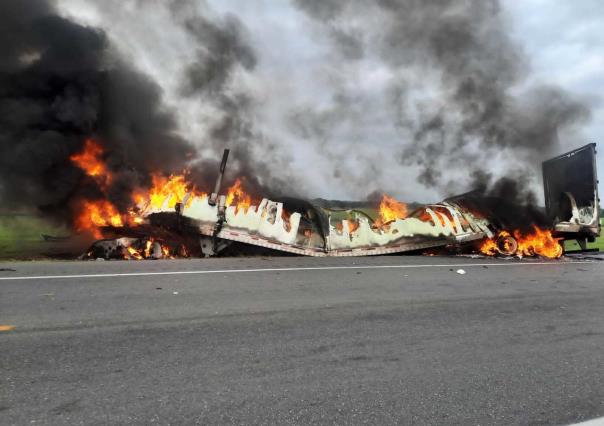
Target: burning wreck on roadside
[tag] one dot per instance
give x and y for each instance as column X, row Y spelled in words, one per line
column 88, row 142
column 175, row 219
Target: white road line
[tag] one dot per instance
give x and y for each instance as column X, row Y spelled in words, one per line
column 595, row 422
column 310, row 268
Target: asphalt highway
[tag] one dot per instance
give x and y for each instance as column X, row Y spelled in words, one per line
column 291, row 340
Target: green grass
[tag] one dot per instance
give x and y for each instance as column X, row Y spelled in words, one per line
column 26, row 228
column 599, row 243
column 21, row 235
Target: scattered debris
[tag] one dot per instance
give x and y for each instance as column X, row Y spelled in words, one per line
column 132, row 249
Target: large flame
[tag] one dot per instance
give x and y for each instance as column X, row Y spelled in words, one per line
column 90, row 160
column 165, row 192
column 169, row 190
column 238, row 197
column 95, row 214
column 539, row 242
column 389, row 210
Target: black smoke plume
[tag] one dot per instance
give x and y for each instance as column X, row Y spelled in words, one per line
column 61, row 83
column 484, row 105
column 222, row 49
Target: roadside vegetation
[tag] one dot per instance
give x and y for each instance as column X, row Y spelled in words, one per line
column 599, row 243
column 21, row 235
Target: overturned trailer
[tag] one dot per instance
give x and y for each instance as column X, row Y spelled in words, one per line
column 319, row 228
column 314, row 230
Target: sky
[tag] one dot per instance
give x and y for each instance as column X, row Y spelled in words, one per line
column 566, row 47
column 349, row 148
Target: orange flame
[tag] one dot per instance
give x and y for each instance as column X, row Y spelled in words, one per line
column 170, row 190
column 236, row 195
column 90, row 161
column 148, row 246
column 146, row 251
column 489, row 247
column 134, row 254
column 94, row 214
column 390, row 210
column 540, row 242
column 165, row 192
column 134, row 218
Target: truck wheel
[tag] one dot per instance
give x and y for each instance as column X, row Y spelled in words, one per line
column 507, row 245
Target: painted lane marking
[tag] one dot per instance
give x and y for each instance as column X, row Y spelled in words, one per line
column 310, row 268
column 595, row 422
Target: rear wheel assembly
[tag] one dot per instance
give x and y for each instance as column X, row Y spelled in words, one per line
column 507, row 245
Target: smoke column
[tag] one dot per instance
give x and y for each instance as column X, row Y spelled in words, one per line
column 222, row 48
column 60, row 83
column 458, row 97
column 420, row 98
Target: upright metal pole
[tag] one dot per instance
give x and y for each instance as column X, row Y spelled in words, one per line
column 214, row 196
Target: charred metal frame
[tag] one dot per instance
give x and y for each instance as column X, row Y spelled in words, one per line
column 315, row 229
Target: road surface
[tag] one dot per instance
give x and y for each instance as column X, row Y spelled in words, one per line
column 291, row 340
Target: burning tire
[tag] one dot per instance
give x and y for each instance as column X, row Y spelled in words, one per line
column 507, row 245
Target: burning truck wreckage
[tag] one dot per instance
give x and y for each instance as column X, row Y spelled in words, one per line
column 175, row 219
